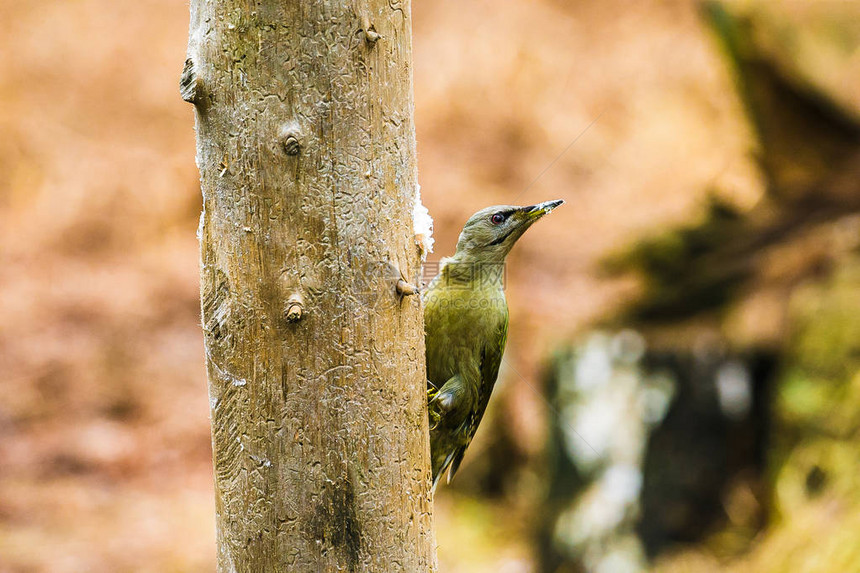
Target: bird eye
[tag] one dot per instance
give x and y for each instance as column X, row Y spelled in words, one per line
column 497, row 219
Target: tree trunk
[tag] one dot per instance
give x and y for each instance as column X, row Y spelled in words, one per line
column 306, row 150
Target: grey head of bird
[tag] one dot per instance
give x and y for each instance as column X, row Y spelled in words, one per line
column 489, row 234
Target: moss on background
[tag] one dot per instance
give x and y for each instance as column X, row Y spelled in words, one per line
column 814, row 482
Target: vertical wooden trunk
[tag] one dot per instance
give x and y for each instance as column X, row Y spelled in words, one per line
column 306, row 150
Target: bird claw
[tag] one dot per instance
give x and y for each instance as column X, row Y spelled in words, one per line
column 433, row 413
column 434, row 418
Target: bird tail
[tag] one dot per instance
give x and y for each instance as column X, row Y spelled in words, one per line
column 443, row 458
column 441, row 455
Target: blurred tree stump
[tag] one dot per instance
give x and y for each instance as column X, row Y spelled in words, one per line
column 306, row 150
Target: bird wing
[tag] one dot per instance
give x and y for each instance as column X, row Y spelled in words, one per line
column 491, row 359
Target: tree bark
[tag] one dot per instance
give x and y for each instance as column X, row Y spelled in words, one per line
column 306, row 150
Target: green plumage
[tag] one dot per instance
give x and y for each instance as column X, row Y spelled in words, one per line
column 466, row 325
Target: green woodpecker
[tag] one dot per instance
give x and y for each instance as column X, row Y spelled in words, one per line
column 466, row 323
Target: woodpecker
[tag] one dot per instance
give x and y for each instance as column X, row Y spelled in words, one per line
column 466, row 327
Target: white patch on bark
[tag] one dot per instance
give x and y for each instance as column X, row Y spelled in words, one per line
column 422, row 224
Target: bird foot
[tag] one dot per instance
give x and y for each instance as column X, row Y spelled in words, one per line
column 434, row 418
column 433, row 413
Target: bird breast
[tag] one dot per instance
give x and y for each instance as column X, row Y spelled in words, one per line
column 458, row 322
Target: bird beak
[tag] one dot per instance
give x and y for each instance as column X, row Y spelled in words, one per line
column 535, row 212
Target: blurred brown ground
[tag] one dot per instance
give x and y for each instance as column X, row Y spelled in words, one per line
column 104, row 436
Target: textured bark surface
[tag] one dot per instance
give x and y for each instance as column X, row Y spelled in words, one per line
column 306, row 150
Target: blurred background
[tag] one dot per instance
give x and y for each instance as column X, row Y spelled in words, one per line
column 681, row 388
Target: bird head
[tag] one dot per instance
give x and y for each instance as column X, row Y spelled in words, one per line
column 490, row 233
